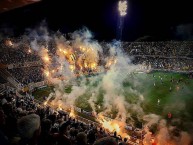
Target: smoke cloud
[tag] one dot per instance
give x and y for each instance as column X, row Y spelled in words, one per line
column 81, row 64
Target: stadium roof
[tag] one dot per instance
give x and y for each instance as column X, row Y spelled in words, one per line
column 7, row 5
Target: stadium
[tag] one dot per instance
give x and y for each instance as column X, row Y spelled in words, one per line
column 73, row 89
column 134, row 84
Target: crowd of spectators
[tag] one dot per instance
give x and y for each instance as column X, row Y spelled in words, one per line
column 26, row 75
column 13, row 56
column 175, row 56
column 167, row 49
column 169, row 64
column 18, row 56
column 25, row 122
column 13, row 51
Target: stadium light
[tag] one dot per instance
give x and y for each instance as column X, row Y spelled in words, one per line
column 122, row 7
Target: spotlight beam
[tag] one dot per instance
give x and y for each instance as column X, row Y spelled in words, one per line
column 122, row 8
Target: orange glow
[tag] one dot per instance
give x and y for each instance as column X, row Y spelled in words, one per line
column 79, row 59
column 109, row 125
column 113, row 125
column 47, row 73
column 29, row 50
column 93, row 65
column 72, row 68
column 82, row 49
column 85, row 65
column 46, row 58
column 72, row 114
column 8, row 43
column 64, row 51
column 110, row 62
column 59, row 107
column 45, row 103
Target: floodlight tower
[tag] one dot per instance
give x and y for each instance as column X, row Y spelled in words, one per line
column 122, row 8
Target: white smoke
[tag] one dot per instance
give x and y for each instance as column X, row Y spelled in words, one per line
column 111, row 80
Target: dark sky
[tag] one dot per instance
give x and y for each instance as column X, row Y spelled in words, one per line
column 159, row 19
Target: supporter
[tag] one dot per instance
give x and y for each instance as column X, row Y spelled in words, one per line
column 45, row 136
column 106, row 141
column 62, row 138
column 81, row 139
column 57, row 128
column 91, row 136
column 29, row 129
column 3, row 138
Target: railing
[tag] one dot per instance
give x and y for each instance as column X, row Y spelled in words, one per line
column 7, row 76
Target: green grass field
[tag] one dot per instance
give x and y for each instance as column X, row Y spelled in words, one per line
column 39, row 94
column 173, row 90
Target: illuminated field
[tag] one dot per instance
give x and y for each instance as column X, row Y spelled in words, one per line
column 162, row 93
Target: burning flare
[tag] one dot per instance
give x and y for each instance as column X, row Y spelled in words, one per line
column 113, row 125
column 9, row 43
column 72, row 114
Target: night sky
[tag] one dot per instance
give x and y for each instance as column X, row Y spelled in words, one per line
column 154, row 19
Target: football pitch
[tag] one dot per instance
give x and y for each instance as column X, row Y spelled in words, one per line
column 161, row 93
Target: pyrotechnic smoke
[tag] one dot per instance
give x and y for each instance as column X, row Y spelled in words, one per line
column 67, row 62
column 165, row 135
column 83, row 54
